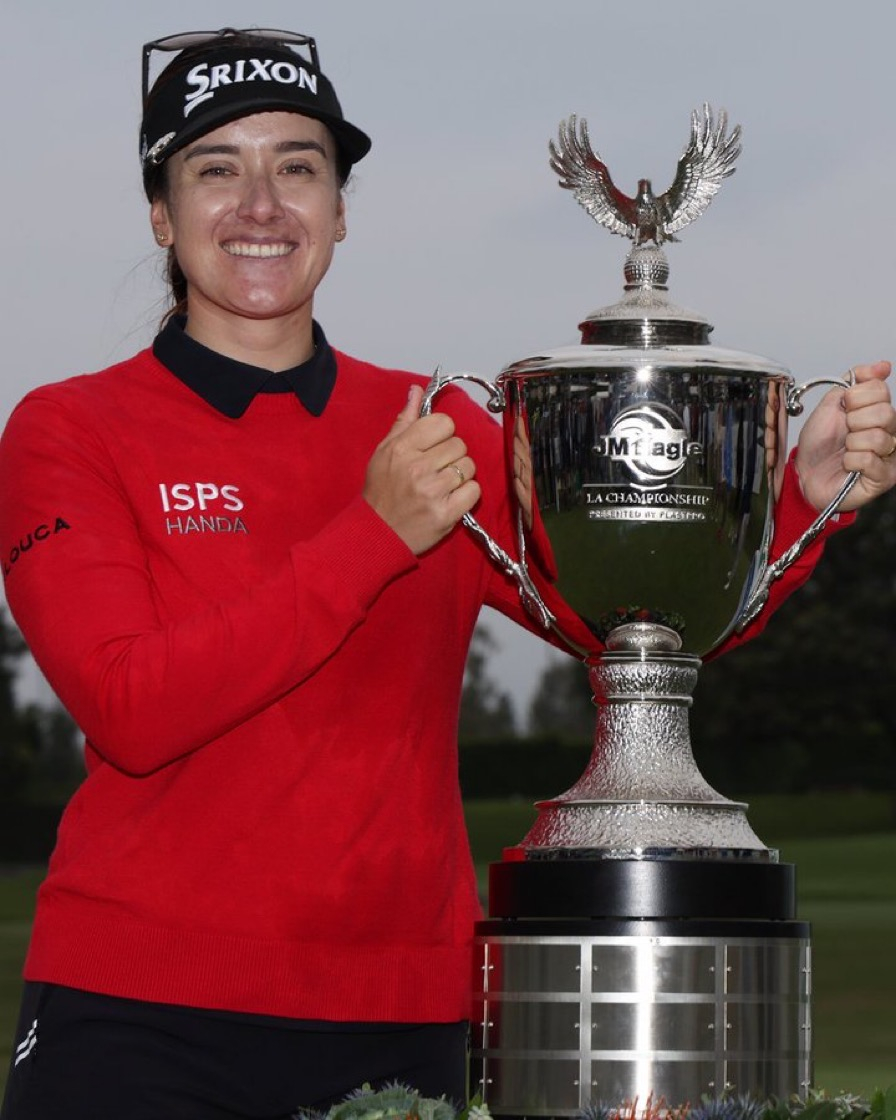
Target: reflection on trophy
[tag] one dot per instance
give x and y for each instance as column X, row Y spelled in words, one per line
column 641, row 939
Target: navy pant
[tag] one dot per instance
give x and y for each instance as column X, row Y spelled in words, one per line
column 82, row 1056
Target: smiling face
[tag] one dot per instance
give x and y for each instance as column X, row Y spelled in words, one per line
column 253, row 210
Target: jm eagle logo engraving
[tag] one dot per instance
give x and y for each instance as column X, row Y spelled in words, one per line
column 650, row 440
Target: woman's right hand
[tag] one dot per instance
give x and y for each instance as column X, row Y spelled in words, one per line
column 420, row 480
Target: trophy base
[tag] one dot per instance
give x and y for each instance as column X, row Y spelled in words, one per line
column 681, row 889
column 647, row 829
column 625, row 981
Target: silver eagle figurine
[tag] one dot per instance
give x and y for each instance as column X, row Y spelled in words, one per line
column 706, row 161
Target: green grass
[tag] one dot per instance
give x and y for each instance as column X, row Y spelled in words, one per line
column 17, row 890
column 847, row 890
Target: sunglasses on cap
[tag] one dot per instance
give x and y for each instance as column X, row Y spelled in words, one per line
column 174, row 43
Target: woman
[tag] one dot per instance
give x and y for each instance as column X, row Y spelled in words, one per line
column 251, row 596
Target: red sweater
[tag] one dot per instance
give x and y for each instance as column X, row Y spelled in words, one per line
column 268, row 681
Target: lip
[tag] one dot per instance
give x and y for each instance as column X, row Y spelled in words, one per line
column 258, row 250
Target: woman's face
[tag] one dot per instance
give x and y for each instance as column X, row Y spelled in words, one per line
column 253, row 210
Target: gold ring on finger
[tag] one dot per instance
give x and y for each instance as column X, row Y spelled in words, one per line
column 460, row 473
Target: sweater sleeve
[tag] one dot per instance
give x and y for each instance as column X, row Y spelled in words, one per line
column 143, row 689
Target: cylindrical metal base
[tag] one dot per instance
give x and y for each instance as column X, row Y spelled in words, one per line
column 572, row 1011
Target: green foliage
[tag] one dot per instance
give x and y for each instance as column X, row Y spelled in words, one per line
column 883, row 1104
column 817, row 1105
column 18, row 743
column 562, row 703
column 396, row 1101
column 727, row 1108
column 57, row 765
column 807, row 705
column 535, row 767
column 40, row 754
column 399, row 1102
column 485, row 711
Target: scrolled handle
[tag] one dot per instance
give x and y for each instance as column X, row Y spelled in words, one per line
column 758, row 599
column 517, row 570
column 793, row 398
column 497, row 402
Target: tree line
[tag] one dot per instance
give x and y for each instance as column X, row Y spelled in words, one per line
column 40, row 745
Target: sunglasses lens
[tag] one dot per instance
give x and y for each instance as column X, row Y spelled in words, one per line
column 198, row 38
column 182, row 42
column 189, row 39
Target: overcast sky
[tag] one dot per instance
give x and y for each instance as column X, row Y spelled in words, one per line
column 461, row 248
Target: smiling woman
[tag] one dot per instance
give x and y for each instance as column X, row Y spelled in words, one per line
column 255, row 518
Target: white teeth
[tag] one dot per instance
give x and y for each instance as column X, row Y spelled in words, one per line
column 253, row 249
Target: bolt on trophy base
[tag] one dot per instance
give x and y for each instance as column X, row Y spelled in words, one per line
column 642, row 941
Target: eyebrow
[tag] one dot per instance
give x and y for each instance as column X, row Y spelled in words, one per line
column 233, row 149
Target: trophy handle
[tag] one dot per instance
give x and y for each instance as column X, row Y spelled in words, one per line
column 794, row 405
column 517, row 571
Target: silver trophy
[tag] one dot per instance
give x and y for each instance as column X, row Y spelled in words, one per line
column 641, row 938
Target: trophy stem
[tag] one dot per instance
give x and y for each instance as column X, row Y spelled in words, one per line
column 641, row 795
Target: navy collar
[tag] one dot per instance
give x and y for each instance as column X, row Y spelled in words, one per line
column 231, row 386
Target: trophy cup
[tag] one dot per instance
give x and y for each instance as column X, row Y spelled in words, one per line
column 641, row 940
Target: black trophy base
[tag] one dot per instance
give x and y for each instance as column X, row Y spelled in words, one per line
column 616, row 981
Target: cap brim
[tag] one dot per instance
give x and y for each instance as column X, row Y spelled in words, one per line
column 351, row 141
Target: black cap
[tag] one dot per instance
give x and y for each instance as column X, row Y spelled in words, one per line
column 226, row 82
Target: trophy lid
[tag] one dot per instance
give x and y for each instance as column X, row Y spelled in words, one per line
column 645, row 326
column 645, row 329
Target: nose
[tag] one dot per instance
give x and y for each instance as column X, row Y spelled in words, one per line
column 260, row 200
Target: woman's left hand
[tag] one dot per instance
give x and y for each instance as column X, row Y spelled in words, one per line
column 850, row 430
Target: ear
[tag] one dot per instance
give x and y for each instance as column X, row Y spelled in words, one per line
column 161, row 223
column 340, row 219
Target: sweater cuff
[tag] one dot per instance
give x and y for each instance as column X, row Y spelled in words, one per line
column 794, row 515
column 359, row 553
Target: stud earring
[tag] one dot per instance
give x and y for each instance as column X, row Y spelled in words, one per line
column 161, row 237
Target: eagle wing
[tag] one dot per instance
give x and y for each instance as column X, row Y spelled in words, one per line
column 582, row 171
column 706, row 161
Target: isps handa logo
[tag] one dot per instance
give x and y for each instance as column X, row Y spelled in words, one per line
column 650, row 440
column 201, row 507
